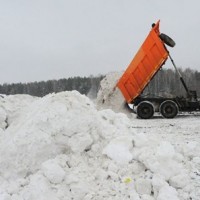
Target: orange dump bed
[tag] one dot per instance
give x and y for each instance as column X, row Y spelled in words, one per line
column 148, row 60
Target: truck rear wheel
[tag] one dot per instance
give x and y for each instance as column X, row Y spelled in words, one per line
column 145, row 110
column 169, row 109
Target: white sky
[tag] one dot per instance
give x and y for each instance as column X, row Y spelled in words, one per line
column 52, row 39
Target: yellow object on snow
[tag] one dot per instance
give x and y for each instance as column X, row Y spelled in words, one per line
column 128, row 180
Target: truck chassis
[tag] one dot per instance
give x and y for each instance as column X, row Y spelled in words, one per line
column 168, row 107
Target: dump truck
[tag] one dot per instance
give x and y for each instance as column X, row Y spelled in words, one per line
column 149, row 59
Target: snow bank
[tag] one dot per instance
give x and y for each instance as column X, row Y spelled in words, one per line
column 61, row 147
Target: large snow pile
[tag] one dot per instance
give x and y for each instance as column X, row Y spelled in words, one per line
column 60, row 147
column 109, row 96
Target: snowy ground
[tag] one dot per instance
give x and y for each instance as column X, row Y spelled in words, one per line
column 183, row 133
column 61, row 147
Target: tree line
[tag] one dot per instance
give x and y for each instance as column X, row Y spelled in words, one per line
column 165, row 81
column 85, row 85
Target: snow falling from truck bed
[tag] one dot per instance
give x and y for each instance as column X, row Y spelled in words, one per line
column 60, row 147
column 109, row 96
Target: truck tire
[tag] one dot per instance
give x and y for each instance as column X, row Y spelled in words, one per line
column 169, row 109
column 145, row 110
column 167, row 40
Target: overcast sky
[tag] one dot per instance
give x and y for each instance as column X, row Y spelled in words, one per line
column 53, row 39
